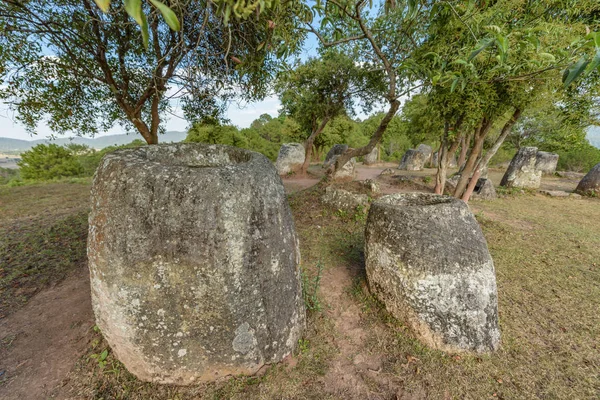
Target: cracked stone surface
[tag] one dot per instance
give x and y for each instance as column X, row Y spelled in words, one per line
column 522, row 171
column 194, row 262
column 290, row 158
column 428, row 263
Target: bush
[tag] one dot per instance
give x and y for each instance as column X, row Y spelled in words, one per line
column 49, row 162
column 7, row 175
column 46, row 162
column 580, row 159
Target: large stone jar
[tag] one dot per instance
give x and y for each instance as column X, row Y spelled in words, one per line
column 428, row 263
column 522, row 171
column 194, row 261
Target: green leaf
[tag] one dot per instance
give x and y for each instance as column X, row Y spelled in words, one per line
column 482, row 45
column 145, row 35
column 168, row 14
column 103, row 355
column 595, row 63
column 575, row 71
column 595, row 37
column 134, row 9
column 103, row 4
column 412, row 9
column 454, row 84
column 548, row 56
column 260, row 46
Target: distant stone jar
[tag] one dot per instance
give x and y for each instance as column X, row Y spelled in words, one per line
column 428, row 263
column 333, row 153
column 372, row 157
column 290, row 158
column 194, row 262
column 522, row 171
column 546, row 162
column 590, row 184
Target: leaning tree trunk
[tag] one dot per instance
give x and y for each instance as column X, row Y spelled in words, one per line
column 465, row 142
column 443, row 155
column 375, row 139
column 484, row 161
column 479, row 137
column 308, row 146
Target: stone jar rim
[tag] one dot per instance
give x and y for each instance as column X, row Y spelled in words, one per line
column 189, row 156
column 416, row 200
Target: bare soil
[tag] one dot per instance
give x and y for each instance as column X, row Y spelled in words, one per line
column 43, row 340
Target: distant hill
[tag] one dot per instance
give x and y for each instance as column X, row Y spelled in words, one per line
column 594, row 136
column 17, row 145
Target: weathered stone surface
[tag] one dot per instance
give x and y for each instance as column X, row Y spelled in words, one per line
column 590, row 184
column 193, row 260
column 451, row 183
column 372, row 157
column 347, row 172
column 343, row 199
column 546, row 162
column 372, row 185
column 333, row 154
column 387, row 171
column 290, row 158
column 428, row 262
column 435, row 161
column 413, row 160
column 427, row 151
column 522, row 171
column 484, row 190
column 555, row 193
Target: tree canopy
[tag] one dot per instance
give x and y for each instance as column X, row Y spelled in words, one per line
column 83, row 70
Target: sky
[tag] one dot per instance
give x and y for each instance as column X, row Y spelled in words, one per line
column 240, row 115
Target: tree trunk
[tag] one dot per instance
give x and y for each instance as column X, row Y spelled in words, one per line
column 479, row 136
column 308, row 146
column 440, row 177
column 375, row 138
column 483, row 162
column 464, row 146
column 443, row 152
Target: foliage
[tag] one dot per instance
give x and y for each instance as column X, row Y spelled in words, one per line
column 324, row 88
column 45, row 162
column 310, row 289
column 82, row 70
column 581, row 158
column 8, row 174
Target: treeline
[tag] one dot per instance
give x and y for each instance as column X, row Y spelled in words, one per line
column 547, row 127
column 266, row 135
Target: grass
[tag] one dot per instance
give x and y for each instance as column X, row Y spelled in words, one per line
column 547, row 257
column 44, row 232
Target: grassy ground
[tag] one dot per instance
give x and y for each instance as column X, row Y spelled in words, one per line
column 43, row 229
column 547, row 257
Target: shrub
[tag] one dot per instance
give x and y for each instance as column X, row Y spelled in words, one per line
column 46, row 162
column 580, row 159
column 7, row 175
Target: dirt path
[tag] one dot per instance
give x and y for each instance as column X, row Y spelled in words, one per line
column 352, row 368
column 40, row 343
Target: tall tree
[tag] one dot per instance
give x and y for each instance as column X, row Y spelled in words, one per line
column 83, row 70
column 383, row 35
column 487, row 62
column 321, row 89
